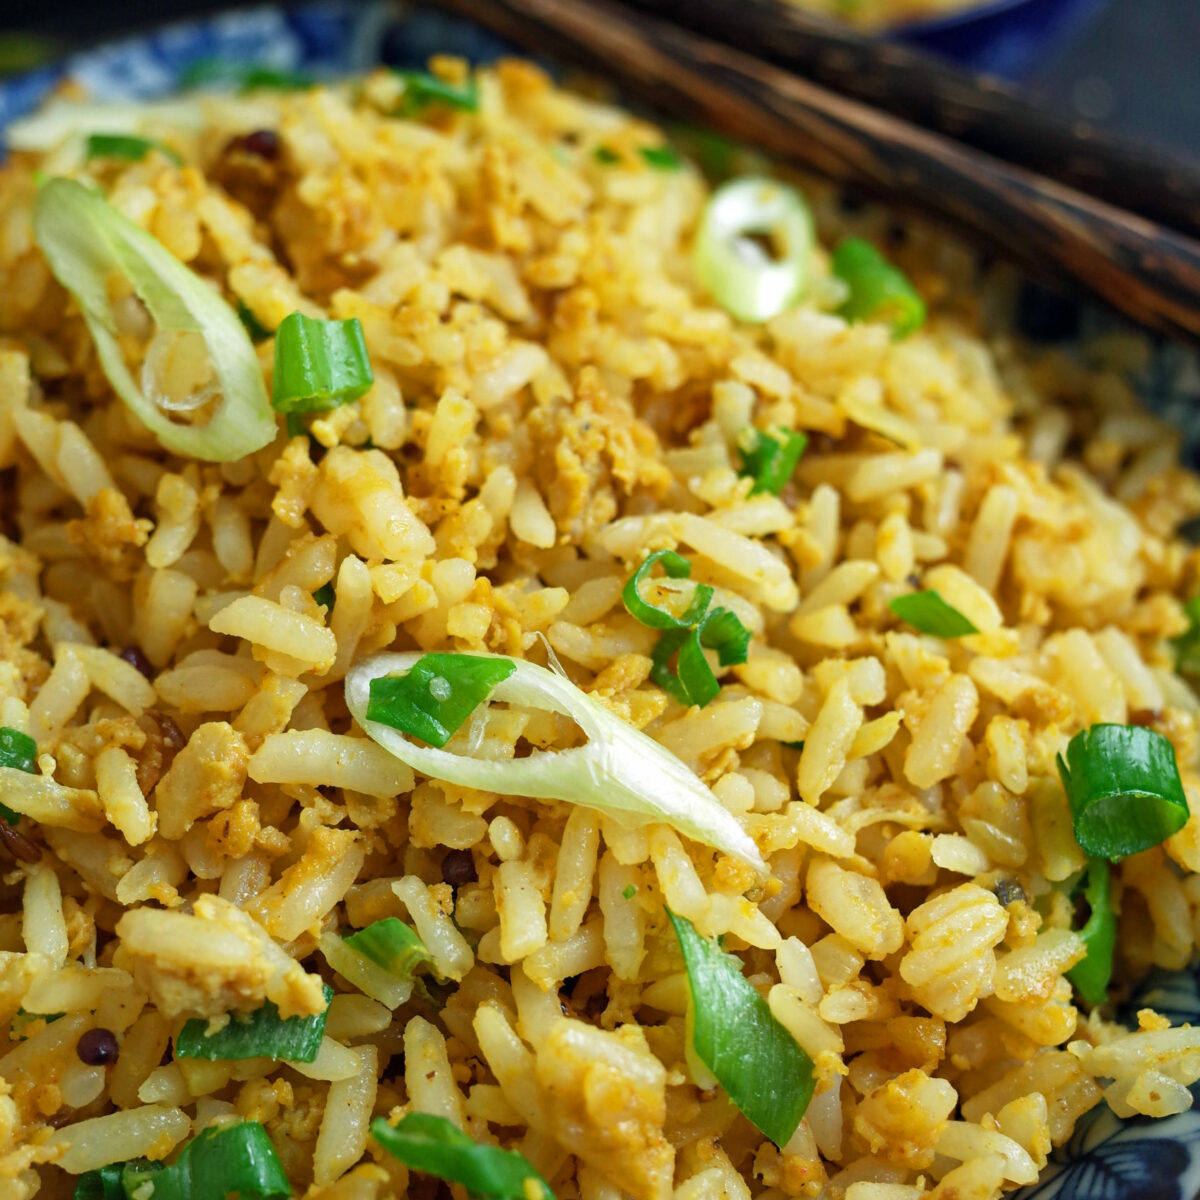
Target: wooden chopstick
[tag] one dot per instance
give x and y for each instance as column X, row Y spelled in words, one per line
column 986, row 113
column 1146, row 271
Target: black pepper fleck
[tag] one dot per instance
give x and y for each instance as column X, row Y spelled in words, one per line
column 98, row 1047
column 458, row 867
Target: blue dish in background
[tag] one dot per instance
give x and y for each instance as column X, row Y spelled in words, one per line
column 1105, row 1158
column 1004, row 37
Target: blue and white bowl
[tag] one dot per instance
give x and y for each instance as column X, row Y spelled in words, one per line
column 1106, row 1158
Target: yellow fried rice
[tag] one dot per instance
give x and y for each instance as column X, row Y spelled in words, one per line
column 555, row 396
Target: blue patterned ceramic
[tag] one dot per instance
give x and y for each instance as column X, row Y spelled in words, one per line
column 1106, row 1159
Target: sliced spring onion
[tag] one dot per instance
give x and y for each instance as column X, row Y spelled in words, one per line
column 261, row 1033
column 661, row 158
column 104, row 1183
column 325, row 595
column 1099, row 933
column 1187, row 644
column 86, row 242
column 692, row 681
column 216, row 1163
column 19, row 751
column 421, row 89
column 440, row 692
column 246, row 77
column 743, row 277
column 619, row 771
column 629, row 891
column 771, row 461
column 251, row 324
column 1123, row 786
column 878, row 290
column 437, row 1147
column 319, row 364
column 731, row 1030
column 126, row 146
column 675, row 566
column 928, row 613
column 392, row 945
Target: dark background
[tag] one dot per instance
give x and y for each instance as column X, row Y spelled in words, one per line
column 1135, row 66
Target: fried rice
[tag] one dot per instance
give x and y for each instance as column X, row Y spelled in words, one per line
column 555, row 396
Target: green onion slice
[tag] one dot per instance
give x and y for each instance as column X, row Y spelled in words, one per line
column 126, row 146
column 421, row 89
column 440, row 692
column 216, row 1163
column 325, row 595
column 246, row 77
column 675, row 566
column 928, row 613
column 1123, row 786
column 437, row 1147
column 104, row 1183
column 86, row 242
column 1091, row 976
column 692, row 681
column 743, row 277
column 251, row 323
column 1187, row 644
column 619, row 770
column 392, row 945
column 771, row 461
column 878, row 290
column 19, row 751
column 262, row 1033
column 731, row 1030
column 319, row 364
column 661, row 158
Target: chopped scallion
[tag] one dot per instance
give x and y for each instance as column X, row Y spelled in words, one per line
column 19, row 751
column 215, row 1164
column 326, row 596
column 1099, row 933
column 675, row 566
column 246, row 77
column 421, row 89
column 771, row 460
column 878, row 290
column 1187, row 644
column 319, row 364
column 104, row 1183
column 86, row 243
column 734, row 1035
column 126, row 146
column 1124, row 789
column 437, row 1147
column 392, row 945
column 753, row 247
column 262, row 1033
column 440, row 692
column 617, row 770
column 661, row 158
column 251, row 323
column 629, row 891
column 928, row 613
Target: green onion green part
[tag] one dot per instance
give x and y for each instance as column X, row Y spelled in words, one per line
column 629, row 891
column 441, row 691
column 753, row 247
column 1123, row 785
column 319, row 364
column 675, row 566
column 246, row 77
column 771, row 460
column 104, row 1183
column 86, row 243
column 1091, row 976
column 251, row 323
column 126, row 146
column 928, row 613
column 325, row 595
column 435, row 1146
column 878, row 290
column 262, row 1033
column 392, row 945
column 19, row 751
column 661, row 158
column 421, row 89
column 1187, row 644
column 214, row 1165
column 732, row 1032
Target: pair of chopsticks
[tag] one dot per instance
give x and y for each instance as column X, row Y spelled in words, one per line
column 1053, row 230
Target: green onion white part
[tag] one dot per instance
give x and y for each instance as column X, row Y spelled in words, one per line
column 743, row 279
column 620, row 771
column 86, row 241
